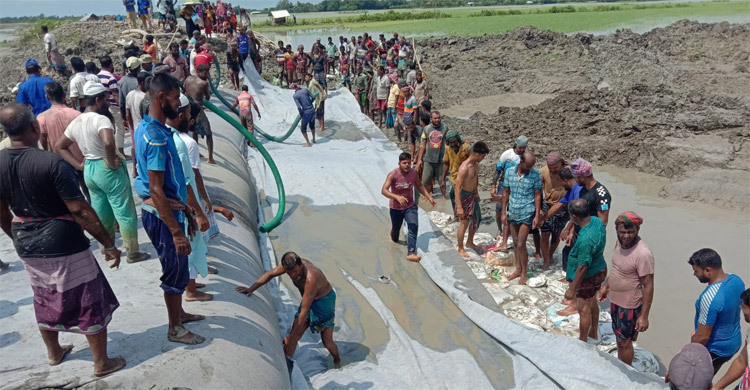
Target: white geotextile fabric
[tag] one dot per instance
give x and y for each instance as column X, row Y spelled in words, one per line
column 353, row 172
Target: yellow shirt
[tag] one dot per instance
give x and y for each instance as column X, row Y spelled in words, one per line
column 552, row 186
column 393, row 96
column 454, row 159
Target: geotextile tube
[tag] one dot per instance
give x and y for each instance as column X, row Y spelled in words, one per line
column 236, row 111
column 272, row 224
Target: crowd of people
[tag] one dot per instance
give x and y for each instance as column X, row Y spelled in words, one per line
column 159, row 102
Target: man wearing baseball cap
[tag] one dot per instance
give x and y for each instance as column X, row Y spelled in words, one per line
column 103, row 168
column 31, row 92
column 147, row 63
column 691, row 368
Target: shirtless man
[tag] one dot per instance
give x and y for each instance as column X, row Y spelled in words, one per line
column 318, row 305
column 197, row 88
column 467, row 198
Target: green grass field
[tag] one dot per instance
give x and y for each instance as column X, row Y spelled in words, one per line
column 584, row 19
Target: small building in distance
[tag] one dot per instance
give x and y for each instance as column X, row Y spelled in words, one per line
column 279, row 17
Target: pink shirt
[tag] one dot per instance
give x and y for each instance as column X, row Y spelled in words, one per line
column 245, row 101
column 628, row 266
column 403, row 184
column 54, row 121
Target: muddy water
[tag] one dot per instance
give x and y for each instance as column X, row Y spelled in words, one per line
column 674, row 230
column 490, row 104
column 353, row 240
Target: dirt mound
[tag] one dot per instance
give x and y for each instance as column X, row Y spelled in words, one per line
column 668, row 102
column 91, row 40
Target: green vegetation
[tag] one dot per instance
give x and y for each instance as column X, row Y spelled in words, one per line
column 354, row 5
column 32, row 32
column 471, row 22
column 389, row 15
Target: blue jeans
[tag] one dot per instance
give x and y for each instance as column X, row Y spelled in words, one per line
column 397, row 220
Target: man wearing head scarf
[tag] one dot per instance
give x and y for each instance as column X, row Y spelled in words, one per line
column 455, row 154
column 630, row 286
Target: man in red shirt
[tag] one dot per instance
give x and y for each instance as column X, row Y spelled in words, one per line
column 204, row 56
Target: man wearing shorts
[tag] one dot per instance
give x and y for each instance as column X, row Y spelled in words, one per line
column 246, row 102
column 168, row 221
column 509, row 158
column 553, row 190
column 432, row 151
column 522, row 208
column 467, row 198
column 383, row 88
column 303, row 99
column 318, row 307
column 630, row 285
column 586, row 268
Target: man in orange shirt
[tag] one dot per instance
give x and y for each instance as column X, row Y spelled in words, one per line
column 150, row 47
column 54, row 121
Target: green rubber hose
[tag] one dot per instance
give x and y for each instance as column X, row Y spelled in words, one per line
column 272, row 224
column 236, row 111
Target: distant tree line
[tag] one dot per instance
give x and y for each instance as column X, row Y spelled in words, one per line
column 354, row 5
column 33, row 19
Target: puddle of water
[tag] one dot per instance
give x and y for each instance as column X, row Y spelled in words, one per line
column 490, row 104
column 363, row 252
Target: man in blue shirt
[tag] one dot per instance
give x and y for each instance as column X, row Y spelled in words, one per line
column 130, row 10
column 31, row 92
column 143, row 6
column 166, row 217
column 243, row 44
column 717, row 310
column 303, row 99
column 522, row 208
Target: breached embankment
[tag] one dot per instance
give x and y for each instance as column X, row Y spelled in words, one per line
column 243, row 346
column 399, row 324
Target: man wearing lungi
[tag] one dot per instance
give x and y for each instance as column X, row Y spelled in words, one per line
column 49, row 214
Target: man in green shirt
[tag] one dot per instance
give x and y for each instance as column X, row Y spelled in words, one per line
column 586, row 267
column 361, row 83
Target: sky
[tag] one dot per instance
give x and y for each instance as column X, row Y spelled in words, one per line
column 13, row 8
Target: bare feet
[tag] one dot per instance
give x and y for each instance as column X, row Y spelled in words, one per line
column 503, row 247
column 181, row 335
column 476, row 248
column 64, row 351
column 567, row 302
column 187, row 317
column 211, row 161
column 537, row 255
column 524, row 279
column 307, row 145
column 413, row 257
column 563, row 280
column 545, row 266
column 109, row 367
column 514, row 275
column 192, row 296
column 462, row 252
column 568, row 311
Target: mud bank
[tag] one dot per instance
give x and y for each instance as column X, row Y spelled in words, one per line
column 671, row 101
column 240, row 332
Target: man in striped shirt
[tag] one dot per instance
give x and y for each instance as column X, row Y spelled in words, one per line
column 717, row 310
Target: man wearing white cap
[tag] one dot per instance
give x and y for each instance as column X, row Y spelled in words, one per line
column 103, row 168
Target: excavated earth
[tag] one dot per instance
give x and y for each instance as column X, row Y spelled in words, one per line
column 672, row 102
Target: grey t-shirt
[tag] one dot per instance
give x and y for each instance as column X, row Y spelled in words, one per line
column 435, row 147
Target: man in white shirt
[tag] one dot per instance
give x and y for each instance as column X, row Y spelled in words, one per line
column 103, row 168
column 77, row 82
column 56, row 60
